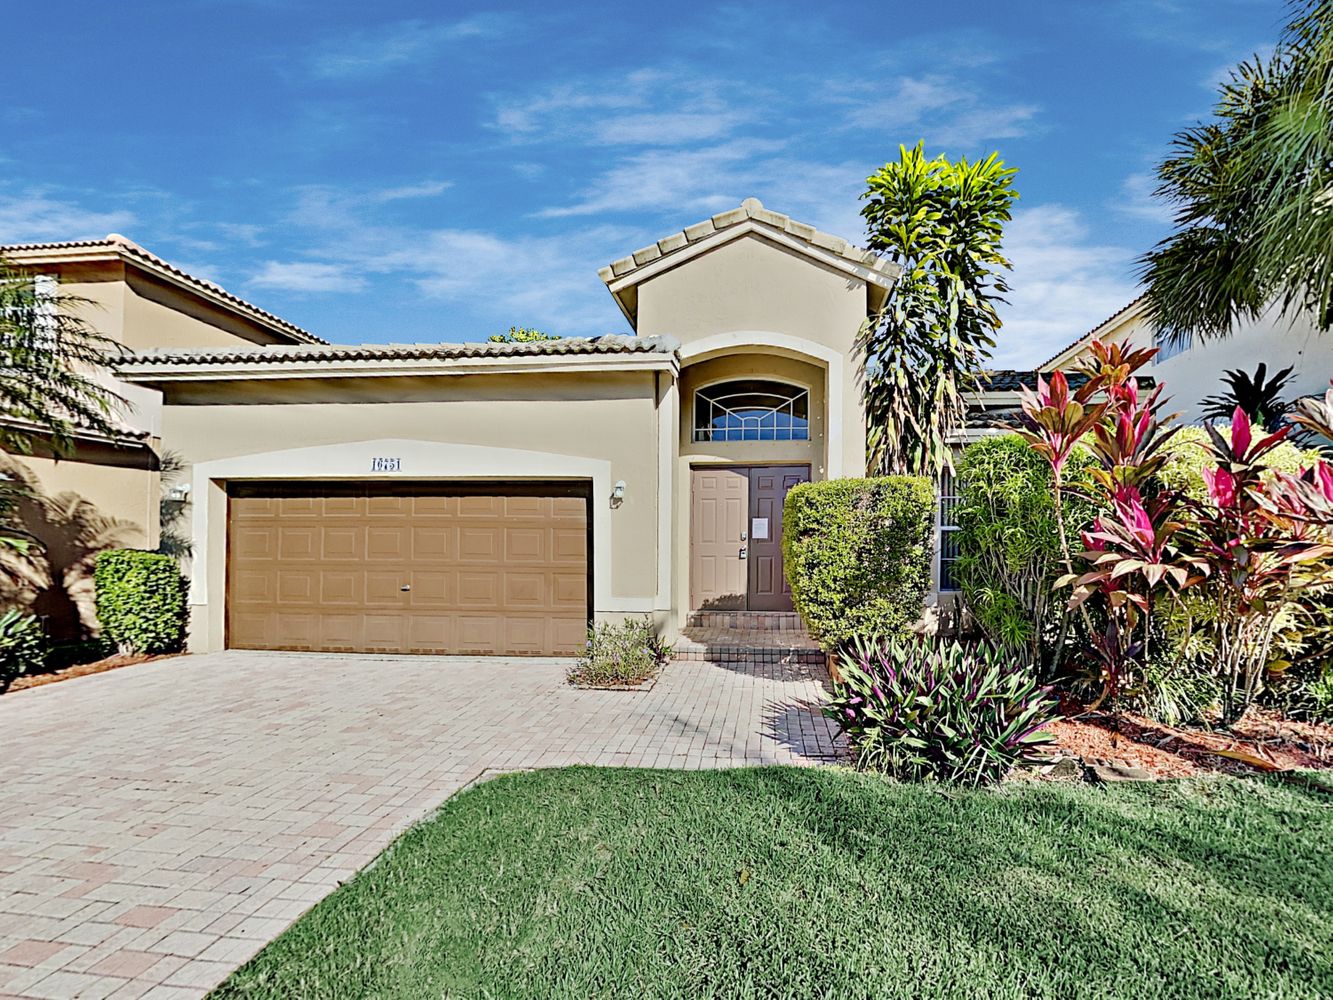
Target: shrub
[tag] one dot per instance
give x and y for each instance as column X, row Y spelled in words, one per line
column 925, row 711
column 620, row 654
column 1009, row 545
column 858, row 555
column 1189, row 457
column 22, row 646
column 140, row 601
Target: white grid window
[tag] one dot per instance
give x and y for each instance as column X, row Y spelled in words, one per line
column 948, row 532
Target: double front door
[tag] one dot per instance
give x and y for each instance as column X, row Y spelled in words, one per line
column 736, row 537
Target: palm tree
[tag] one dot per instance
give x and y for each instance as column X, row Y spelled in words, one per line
column 942, row 222
column 1252, row 194
column 51, row 359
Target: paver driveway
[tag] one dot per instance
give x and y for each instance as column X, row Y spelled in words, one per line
column 160, row 823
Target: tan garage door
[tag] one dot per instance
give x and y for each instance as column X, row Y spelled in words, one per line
column 425, row 568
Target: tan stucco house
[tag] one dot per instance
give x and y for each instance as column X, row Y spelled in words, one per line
column 495, row 498
column 108, row 492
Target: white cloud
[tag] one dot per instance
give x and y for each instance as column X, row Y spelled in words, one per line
column 400, row 44
column 1137, row 200
column 944, row 111
column 702, row 180
column 306, row 276
column 34, row 217
column 647, row 107
column 1062, row 284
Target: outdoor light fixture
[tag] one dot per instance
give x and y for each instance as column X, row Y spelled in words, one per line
column 178, row 494
column 618, row 490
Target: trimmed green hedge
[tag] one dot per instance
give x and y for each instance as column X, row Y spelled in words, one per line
column 858, row 555
column 141, row 601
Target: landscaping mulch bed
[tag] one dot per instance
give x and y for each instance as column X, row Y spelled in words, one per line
column 1262, row 741
column 113, row 662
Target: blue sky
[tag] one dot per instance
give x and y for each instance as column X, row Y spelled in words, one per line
column 407, row 172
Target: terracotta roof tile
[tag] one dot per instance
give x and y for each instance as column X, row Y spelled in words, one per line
column 339, row 353
column 750, row 209
column 119, row 244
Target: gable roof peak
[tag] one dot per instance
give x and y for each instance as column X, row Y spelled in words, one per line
column 624, row 275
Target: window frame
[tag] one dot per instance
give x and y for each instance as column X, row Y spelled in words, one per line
column 946, row 523
column 705, row 434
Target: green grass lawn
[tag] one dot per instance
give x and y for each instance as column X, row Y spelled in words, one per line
column 784, row 882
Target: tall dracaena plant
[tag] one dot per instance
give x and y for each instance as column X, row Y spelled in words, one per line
column 942, row 222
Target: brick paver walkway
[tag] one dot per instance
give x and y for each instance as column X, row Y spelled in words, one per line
column 160, row 823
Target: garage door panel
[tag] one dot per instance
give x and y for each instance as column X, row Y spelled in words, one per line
column 479, row 544
column 479, row 589
column 433, row 590
column 384, row 588
column 434, row 544
column 529, row 591
column 343, row 543
column 343, row 507
column 298, row 586
column 489, row 507
column 431, row 507
column 253, row 542
column 526, row 544
column 488, row 570
column 387, row 543
column 569, row 547
column 298, row 543
column 341, row 587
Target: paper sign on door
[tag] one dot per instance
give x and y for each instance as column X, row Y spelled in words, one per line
column 759, row 529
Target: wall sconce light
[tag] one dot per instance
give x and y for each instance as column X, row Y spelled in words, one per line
column 618, row 493
column 178, row 494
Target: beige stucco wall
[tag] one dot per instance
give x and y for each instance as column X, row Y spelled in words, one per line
column 497, row 427
column 776, row 302
column 108, row 498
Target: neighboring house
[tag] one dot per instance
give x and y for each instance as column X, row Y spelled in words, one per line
column 495, row 498
column 1194, row 370
column 108, row 492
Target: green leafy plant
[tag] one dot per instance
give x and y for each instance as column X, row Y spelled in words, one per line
column 858, row 555
column 1257, row 395
column 22, row 646
column 922, row 711
column 620, row 654
column 1009, row 545
column 521, row 335
column 141, row 601
column 942, row 222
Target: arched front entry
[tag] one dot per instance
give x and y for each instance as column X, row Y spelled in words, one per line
column 754, row 422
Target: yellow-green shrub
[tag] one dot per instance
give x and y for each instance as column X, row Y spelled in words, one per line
column 857, row 554
column 140, row 601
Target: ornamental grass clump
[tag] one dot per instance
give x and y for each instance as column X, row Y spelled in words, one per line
column 924, row 711
column 620, row 654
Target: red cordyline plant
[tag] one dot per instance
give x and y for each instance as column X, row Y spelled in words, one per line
column 1257, row 541
column 1132, row 549
column 1266, row 537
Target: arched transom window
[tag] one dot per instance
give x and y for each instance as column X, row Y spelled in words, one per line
column 752, row 409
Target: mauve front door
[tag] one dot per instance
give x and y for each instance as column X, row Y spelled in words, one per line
column 768, row 590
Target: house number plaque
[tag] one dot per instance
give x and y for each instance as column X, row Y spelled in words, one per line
column 382, row 464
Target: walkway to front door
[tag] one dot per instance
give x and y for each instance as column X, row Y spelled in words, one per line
column 736, row 537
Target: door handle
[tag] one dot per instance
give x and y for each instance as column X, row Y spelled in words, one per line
column 405, row 587
column 744, row 551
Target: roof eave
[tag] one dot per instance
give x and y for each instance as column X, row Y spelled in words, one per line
column 158, row 373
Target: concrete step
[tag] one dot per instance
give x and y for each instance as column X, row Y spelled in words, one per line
column 758, row 645
column 779, row 621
